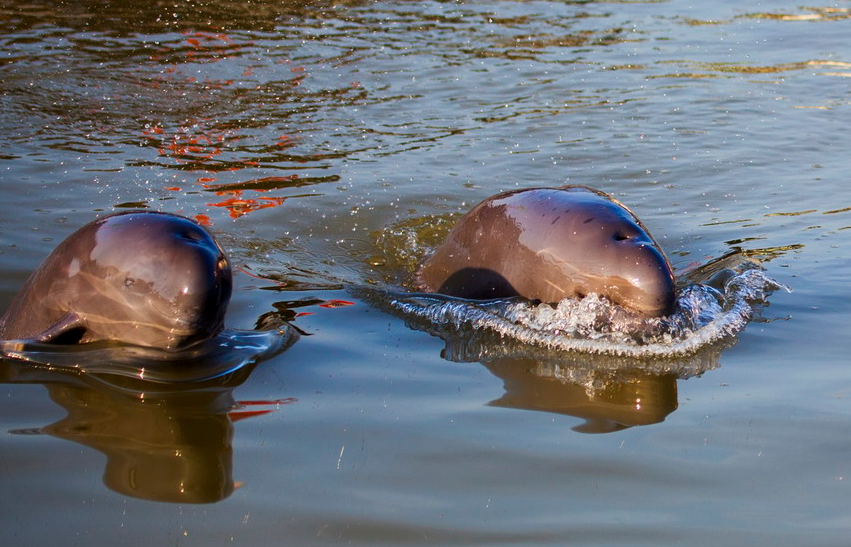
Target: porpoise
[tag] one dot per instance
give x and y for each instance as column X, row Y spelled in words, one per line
column 143, row 278
column 548, row 244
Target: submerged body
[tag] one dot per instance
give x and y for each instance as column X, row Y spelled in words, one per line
column 142, row 278
column 549, row 244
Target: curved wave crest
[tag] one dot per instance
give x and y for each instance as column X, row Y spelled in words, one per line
column 704, row 316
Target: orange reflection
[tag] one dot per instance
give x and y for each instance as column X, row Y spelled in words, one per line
column 336, row 304
column 243, row 414
column 209, row 47
column 244, row 269
column 238, row 207
column 239, row 414
column 190, row 143
column 203, row 220
column 203, row 145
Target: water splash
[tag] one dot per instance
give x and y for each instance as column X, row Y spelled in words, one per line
column 481, row 330
column 218, row 356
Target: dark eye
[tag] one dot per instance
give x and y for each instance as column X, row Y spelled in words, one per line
column 621, row 237
column 192, row 235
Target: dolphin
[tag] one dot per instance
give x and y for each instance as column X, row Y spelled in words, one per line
column 143, row 278
column 549, row 244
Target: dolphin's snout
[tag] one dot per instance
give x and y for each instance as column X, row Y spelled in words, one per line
column 655, row 288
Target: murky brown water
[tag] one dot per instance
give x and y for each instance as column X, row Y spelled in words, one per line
column 324, row 144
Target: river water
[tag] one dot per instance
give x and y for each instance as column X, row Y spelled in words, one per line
column 326, row 145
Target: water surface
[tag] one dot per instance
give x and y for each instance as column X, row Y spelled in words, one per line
column 315, row 139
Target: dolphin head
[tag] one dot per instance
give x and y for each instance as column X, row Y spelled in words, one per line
column 549, row 244
column 602, row 247
column 640, row 277
column 150, row 279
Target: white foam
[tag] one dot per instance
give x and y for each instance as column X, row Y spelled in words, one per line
column 592, row 325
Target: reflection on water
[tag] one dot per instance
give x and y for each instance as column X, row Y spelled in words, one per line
column 124, row 17
column 608, row 400
column 169, row 443
column 609, row 391
column 223, row 354
column 164, row 419
column 811, row 13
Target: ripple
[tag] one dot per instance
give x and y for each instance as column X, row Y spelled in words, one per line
column 224, row 354
column 478, row 329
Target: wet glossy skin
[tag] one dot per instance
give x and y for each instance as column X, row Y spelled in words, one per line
column 549, row 244
column 150, row 279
